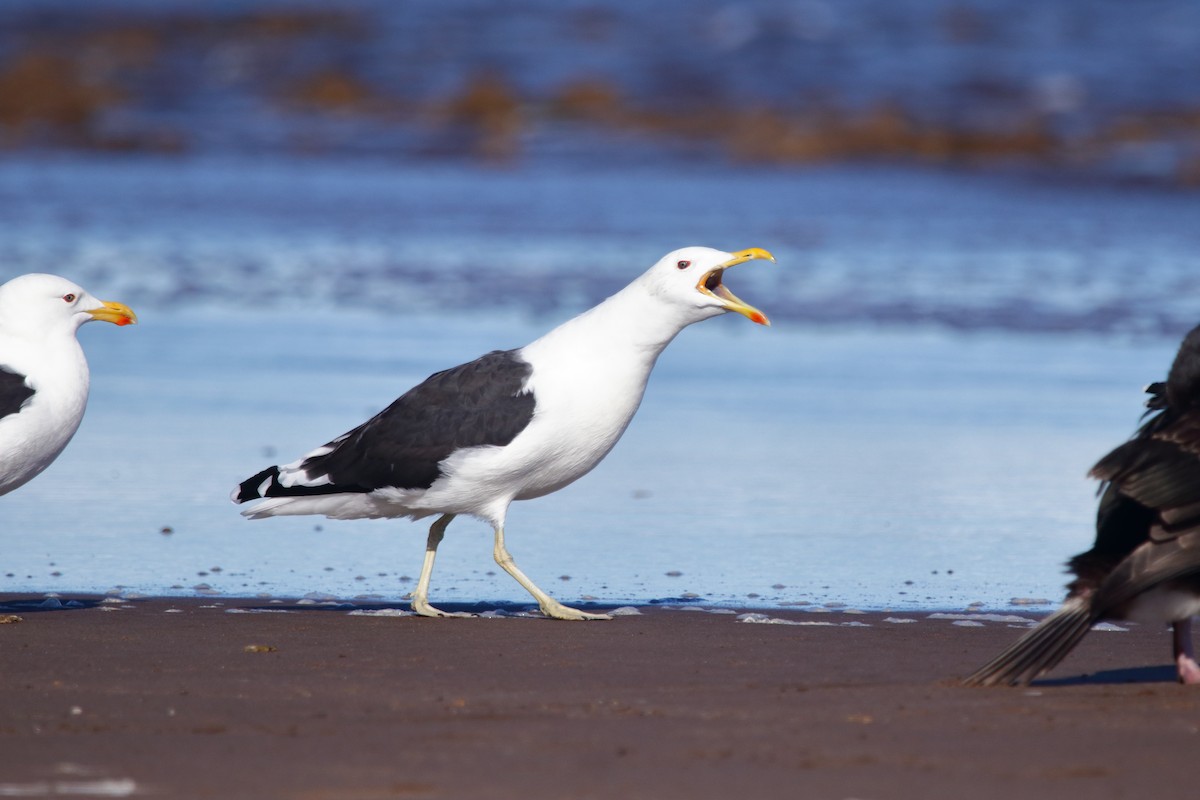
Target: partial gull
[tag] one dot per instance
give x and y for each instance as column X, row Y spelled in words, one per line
column 511, row 425
column 43, row 373
column 1145, row 564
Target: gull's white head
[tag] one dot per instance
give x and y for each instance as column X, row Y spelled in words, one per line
column 691, row 279
column 38, row 305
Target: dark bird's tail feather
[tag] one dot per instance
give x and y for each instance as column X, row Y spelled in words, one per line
column 1040, row 649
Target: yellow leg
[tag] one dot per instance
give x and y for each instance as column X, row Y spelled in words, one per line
column 420, row 596
column 550, row 607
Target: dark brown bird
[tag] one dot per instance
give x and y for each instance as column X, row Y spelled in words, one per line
column 1145, row 564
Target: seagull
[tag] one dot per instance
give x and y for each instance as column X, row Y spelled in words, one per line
column 510, row 425
column 1145, row 564
column 43, row 374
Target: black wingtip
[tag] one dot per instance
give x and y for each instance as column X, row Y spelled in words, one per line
column 257, row 486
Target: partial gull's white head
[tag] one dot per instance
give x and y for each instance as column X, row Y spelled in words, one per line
column 45, row 375
column 37, row 305
column 690, row 279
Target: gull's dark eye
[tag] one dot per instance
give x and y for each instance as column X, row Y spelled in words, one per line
column 683, row 264
column 69, row 298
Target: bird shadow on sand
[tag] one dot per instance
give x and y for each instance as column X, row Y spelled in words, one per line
column 1160, row 674
column 36, row 605
column 504, row 608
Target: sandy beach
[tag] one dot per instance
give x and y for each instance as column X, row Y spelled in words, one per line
column 232, row 698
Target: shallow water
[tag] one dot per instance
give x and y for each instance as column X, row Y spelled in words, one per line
column 950, row 353
column 859, row 246
column 1105, row 89
column 767, row 466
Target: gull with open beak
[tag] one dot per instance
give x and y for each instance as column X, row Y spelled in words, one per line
column 511, row 425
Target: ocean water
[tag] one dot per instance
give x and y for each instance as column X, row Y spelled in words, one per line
column 1105, row 88
column 949, row 354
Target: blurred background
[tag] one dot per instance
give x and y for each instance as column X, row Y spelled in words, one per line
column 1106, row 90
column 549, row 121
column 986, row 215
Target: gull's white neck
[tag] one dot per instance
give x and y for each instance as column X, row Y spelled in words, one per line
column 631, row 323
column 589, row 375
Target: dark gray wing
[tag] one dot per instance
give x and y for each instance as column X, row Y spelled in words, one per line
column 1147, row 526
column 1159, row 470
column 1175, row 560
column 14, row 392
column 1122, row 525
column 483, row 402
column 1147, row 535
column 1151, row 491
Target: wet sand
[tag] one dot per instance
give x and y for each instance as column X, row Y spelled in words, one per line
column 181, row 698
